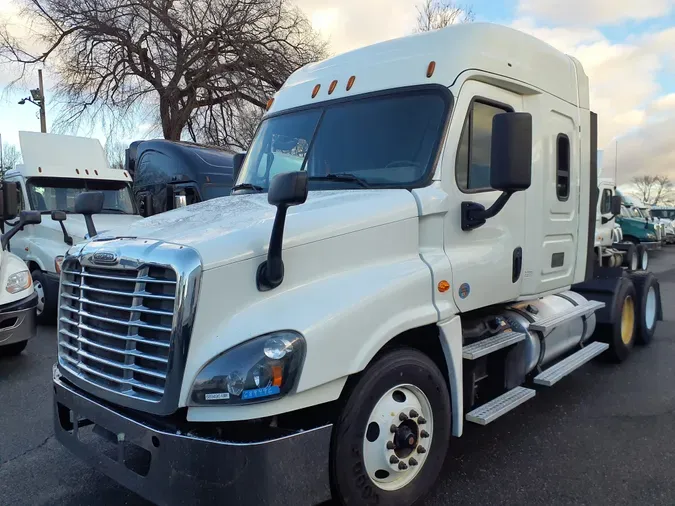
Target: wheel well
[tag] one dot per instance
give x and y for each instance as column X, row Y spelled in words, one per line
column 631, row 238
column 33, row 266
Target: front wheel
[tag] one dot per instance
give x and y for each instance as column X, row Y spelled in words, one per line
column 643, row 255
column 620, row 334
column 646, row 288
column 10, row 350
column 46, row 309
column 391, row 438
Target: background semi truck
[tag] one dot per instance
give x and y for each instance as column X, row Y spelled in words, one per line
column 393, row 264
column 55, row 170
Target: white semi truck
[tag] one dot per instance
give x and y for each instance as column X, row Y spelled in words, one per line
column 426, row 260
column 55, row 169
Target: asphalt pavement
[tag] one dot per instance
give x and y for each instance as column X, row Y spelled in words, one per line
column 603, row 435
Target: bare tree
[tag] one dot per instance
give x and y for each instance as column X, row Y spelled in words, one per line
column 10, row 157
column 116, row 153
column 653, row 190
column 184, row 58
column 436, row 14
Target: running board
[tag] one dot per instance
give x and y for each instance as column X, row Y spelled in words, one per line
column 492, row 410
column 491, row 344
column 546, row 325
column 554, row 374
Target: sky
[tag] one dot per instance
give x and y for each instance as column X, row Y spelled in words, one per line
column 627, row 49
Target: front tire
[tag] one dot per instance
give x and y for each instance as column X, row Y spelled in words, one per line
column 45, row 313
column 391, row 438
column 11, row 350
column 643, row 256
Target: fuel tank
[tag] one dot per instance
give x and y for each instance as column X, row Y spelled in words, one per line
column 540, row 351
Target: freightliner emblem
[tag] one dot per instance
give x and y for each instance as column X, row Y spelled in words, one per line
column 105, row 257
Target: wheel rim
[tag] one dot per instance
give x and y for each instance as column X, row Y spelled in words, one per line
column 627, row 320
column 634, row 262
column 398, row 436
column 645, row 260
column 41, row 297
column 650, row 308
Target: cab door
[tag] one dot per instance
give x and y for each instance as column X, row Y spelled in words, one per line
column 20, row 243
column 487, row 262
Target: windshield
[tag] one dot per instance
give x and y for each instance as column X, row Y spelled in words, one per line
column 668, row 214
column 48, row 194
column 384, row 141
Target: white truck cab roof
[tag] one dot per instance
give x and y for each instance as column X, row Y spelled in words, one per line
column 398, row 63
column 64, row 156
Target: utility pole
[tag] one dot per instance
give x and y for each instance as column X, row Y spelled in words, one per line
column 43, row 114
column 37, row 97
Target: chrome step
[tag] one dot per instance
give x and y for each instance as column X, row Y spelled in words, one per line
column 491, row 344
column 501, row 405
column 548, row 324
column 554, row 374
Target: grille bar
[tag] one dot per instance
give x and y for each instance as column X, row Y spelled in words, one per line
column 115, row 326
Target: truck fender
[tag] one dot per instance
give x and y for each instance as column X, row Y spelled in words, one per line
column 450, row 334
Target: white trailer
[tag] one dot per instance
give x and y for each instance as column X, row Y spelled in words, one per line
column 410, row 247
column 55, row 170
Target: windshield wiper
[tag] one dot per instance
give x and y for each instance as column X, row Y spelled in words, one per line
column 248, row 186
column 342, row 176
column 114, row 210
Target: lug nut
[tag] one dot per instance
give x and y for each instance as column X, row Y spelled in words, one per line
column 414, row 414
column 421, row 420
column 421, row 449
column 403, row 417
column 393, row 428
column 424, row 434
column 412, row 461
column 390, row 445
column 393, row 459
column 402, row 466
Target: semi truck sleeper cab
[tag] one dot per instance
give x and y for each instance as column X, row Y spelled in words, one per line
column 410, row 247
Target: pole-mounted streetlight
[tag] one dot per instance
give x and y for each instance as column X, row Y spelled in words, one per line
column 37, row 97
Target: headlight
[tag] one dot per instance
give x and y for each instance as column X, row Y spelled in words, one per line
column 18, row 282
column 58, row 261
column 258, row 370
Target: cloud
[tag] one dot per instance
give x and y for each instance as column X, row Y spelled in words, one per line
column 594, row 12
column 349, row 24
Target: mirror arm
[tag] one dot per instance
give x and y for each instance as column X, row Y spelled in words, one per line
column 475, row 215
column 6, row 237
column 271, row 272
column 91, row 229
column 66, row 237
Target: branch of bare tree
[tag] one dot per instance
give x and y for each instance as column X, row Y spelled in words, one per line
column 653, row 190
column 437, row 14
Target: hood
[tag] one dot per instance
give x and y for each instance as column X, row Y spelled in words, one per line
column 77, row 228
column 235, row 228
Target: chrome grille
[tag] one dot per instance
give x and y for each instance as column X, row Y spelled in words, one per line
column 115, row 326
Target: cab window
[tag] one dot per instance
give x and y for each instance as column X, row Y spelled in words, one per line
column 606, row 203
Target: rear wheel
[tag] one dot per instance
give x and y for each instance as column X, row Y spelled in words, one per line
column 621, row 333
column 391, row 438
column 10, row 350
column 647, row 305
column 643, row 255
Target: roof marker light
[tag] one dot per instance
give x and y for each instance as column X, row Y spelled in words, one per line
column 95, row 172
column 77, row 170
column 316, row 90
column 333, row 85
column 40, row 170
column 86, row 171
column 431, row 69
column 269, row 104
column 350, row 83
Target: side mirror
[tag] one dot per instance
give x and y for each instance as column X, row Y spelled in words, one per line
column 61, row 216
column 511, row 155
column 237, row 162
column 616, row 205
column 25, row 218
column 510, row 165
column 87, row 204
column 10, row 200
column 286, row 190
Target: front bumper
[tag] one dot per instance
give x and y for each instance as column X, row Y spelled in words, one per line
column 651, row 245
column 183, row 469
column 17, row 321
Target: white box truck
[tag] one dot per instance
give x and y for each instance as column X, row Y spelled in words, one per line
column 409, row 247
column 55, row 170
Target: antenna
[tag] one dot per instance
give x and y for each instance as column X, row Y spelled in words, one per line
column 616, row 161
